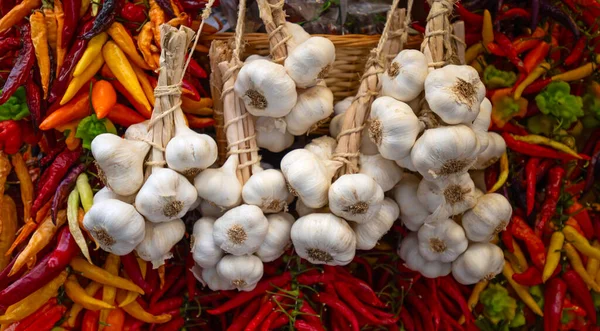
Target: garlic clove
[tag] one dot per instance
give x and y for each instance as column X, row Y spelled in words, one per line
column 241, row 230
column 268, row 190
column 221, row 186
column 385, row 172
column 393, row 127
column 105, row 193
column 489, row 217
column 355, row 197
column 313, row 105
column 307, row 176
column 204, row 250
column 442, row 241
column 341, row 106
column 214, row 281
column 243, row 272
column 412, row 212
column 405, row 77
column 493, row 152
column 406, row 163
column 409, row 252
column 278, row 237
column 367, row 234
column 481, row 261
column 190, row 152
column 272, row 135
column 323, row 147
column 310, row 61
column 158, row 241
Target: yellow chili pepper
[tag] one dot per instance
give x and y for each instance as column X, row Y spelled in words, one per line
column 131, row 296
column 76, row 293
column 478, row 64
column 518, row 253
column 122, row 38
column 597, row 279
column 473, row 52
column 135, row 310
column 503, row 173
column 80, row 81
column 146, row 86
column 90, row 290
column 487, row 30
column 92, row 51
column 553, row 255
column 577, row 265
column 541, row 140
column 474, row 297
column 577, row 73
column 39, row 37
column 521, row 290
column 593, row 264
column 100, row 275
column 34, row 301
column 112, row 265
column 117, row 63
column 541, row 69
column 579, row 241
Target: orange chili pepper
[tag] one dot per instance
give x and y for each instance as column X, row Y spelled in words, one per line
column 144, row 41
column 51, row 28
column 25, row 184
column 195, row 122
column 124, row 116
column 8, row 219
column 61, row 52
column 121, row 37
column 77, row 108
column 39, row 37
column 157, row 17
column 104, row 98
column 17, row 13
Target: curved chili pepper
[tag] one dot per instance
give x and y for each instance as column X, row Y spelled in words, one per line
column 22, row 66
column 63, row 190
column 346, row 293
column 530, row 277
column 189, row 277
column 510, row 50
column 576, row 52
column 106, row 16
column 339, row 307
column 580, row 214
column 265, row 309
column 471, row 19
column 560, row 16
column 132, row 268
column 48, row 318
column 553, row 187
column 171, row 278
column 554, row 297
column 514, row 13
column 71, row 10
column 534, row 244
column 449, row 286
column 536, row 56
column 533, row 149
column 242, row 319
column 530, row 177
column 580, row 293
column 173, row 325
column 422, row 310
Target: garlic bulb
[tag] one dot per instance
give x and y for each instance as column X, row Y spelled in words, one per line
column 214, row 281
column 489, row 217
column 449, row 197
column 481, row 261
column 408, row 250
column 243, row 272
column 442, row 241
column 241, row 230
column 393, row 127
column 405, row 76
column 204, row 250
column 221, row 186
column 308, row 177
column 335, row 126
column 341, row 106
column 278, row 237
column 298, row 35
column 367, row 234
column 303, row 210
column 323, row 147
column 121, row 162
column 385, row 172
column 310, row 61
column 496, row 147
column 454, row 93
column 412, row 212
column 406, row 163
column 266, row 89
column 445, row 151
column 105, row 193
column 115, row 225
column 484, row 118
column 158, row 241
column 268, row 190
column 208, row 209
column 255, row 57
column 165, row 196
column 272, row 135
column 313, row 105
column 355, row 197
column 324, row 239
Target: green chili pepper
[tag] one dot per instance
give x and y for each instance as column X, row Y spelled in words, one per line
column 85, row 192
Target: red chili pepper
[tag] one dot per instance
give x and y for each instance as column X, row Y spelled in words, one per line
column 471, row 19
column 530, row 176
column 430, row 295
column 406, row 319
column 534, row 244
column 166, row 305
column 133, row 13
column 495, row 49
column 132, row 268
column 555, row 179
column 526, row 43
column 507, row 240
column 534, row 150
column 21, row 69
column 422, row 310
column 577, row 52
column 34, row 101
column 346, row 293
column 178, row 287
column 71, row 10
column 573, row 308
column 514, row 13
column 195, row 69
column 246, row 315
column 338, row 307
column 306, row 326
column 47, row 319
column 580, row 293
column 175, row 324
column 282, row 320
column 64, row 189
column 536, row 56
column 29, row 320
column 554, row 297
column 587, row 17
column 196, row 122
column 543, row 169
column 359, row 287
column 11, row 137
column 44, row 271
column 366, row 267
column 451, row 322
column 189, row 90
column 9, row 44
column 265, row 309
column 580, row 214
column 530, row 277
column 170, row 279
column 418, row 27
column 510, row 50
column 449, row 286
column 448, row 306
column 310, row 315
column 90, row 320
column 190, row 280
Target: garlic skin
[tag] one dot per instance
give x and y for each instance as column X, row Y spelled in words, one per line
column 445, row 198
column 272, row 135
column 412, row 212
column 220, row 186
column 481, row 261
column 493, row 152
column 324, row 239
column 121, row 162
column 408, row 250
column 443, row 241
column 158, row 241
column 165, row 196
column 255, row 57
column 243, row 272
column 299, row 35
column 189, row 152
column 335, row 126
column 310, row 61
column 454, row 93
column 266, row 89
column 406, row 163
column 278, row 237
column 313, row 105
column 484, row 118
column 393, row 127
column 208, row 209
column 241, row 230
column 385, row 172
column 105, row 193
column 444, row 151
column 204, row 250
column 115, row 225
column 323, row 147
column 268, row 190
column 355, row 197
column 489, row 217
column 341, row 106
column 367, row 234
column 405, row 76
column 214, row 281
column 303, row 210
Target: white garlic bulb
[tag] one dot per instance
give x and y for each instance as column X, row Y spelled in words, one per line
column 268, row 190
column 385, row 172
column 266, row 89
column 298, row 35
column 278, row 237
column 221, row 186
column 481, row 261
column 405, row 76
column 442, row 241
column 121, row 162
column 303, row 210
column 393, row 127
column 412, row 212
column 445, row 151
column 214, row 281
column 406, row 163
column 482, row 123
column 204, row 250
column 105, row 193
column 324, row 239
column 408, row 250
column 158, row 240
column 255, row 57
column 367, row 234
column 313, row 105
column 115, row 225
column 496, row 147
column 323, row 147
column 489, row 217
column 449, row 197
column 241, row 230
column 243, row 272
column 209, row 209
column 454, row 93
column 341, row 106
column 355, row 197
column 166, row 195
column 310, row 61
column 272, row 134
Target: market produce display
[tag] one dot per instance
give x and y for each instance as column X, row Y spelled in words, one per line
column 456, row 189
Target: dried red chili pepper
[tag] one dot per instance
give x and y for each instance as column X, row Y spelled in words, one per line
column 514, row 13
column 64, row 188
column 51, row 154
column 554, row 296
column 246, row 315
column 553, row 187
column 71, row 9
column 530, row 177
column 535, row 246
column 339, row 307
column 106, row 16
column 34, row 101
column 22, row 66
column 580, row 293
column 9, row 44
column 195, row 69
